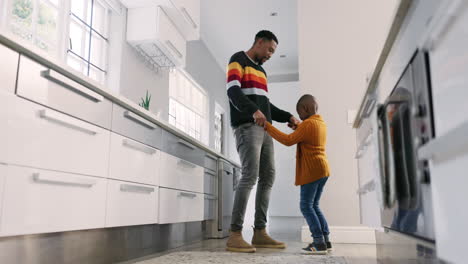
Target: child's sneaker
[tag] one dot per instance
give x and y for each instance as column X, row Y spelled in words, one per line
column 315, row 249
column 329, row 246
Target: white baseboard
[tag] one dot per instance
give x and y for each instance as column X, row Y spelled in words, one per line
column 345, row 234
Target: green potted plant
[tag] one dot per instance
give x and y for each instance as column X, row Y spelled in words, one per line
column 145, row 102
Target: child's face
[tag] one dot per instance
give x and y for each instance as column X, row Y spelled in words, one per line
column 302, row 112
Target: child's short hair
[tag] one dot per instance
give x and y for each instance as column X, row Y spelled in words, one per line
column 308, row 100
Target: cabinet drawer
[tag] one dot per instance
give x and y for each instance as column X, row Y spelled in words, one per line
column 133, row 161
column 36, row 136
column 8, row 69
column 210, row 182
column 210, row 207
column 131, row 204
column 48, row 87
column 40, row 201
column 179, row 174
column 180, row 206
column 211, row 162
column 182, row 149
column 131, row 125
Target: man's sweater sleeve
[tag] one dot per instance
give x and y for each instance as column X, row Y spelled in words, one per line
column 235, row 94
column 279, row 115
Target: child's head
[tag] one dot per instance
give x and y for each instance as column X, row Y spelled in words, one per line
column 306, row 106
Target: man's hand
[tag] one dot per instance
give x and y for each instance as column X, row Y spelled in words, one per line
column 293, row 123
column 259, row 118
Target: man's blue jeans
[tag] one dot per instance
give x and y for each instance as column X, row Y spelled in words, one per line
column 310, row 198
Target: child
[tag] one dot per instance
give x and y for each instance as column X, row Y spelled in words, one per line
column 312, row 169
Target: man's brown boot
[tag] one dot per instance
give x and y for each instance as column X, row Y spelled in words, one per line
column 261, row 239
column 236, row 243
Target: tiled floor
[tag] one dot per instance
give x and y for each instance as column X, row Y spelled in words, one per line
column 352, row 253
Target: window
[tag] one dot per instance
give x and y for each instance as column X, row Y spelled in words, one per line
column 47, row 23
column 36, row 21
column 187, row 105
column 88, row 43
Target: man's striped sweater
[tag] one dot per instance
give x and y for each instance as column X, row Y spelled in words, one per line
column 248, row 92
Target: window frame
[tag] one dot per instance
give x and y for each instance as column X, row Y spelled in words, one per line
column 88, row 32
column 202, row 113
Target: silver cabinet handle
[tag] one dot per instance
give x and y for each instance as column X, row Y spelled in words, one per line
column 66, row 121
column 211, row 198
column 63, row 81
column 185, row 144
column 210, row 172
column 134, row 117
column 368, row 187
column 37, row 177
column 188, row 17
column 135, row 188
column 186, row 163
column 138, row 146
column 188, row 195
column 173, row 48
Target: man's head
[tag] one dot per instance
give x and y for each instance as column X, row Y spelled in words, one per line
column 306, row 106
column 264, row 46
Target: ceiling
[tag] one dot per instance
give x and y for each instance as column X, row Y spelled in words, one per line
column 230, row 26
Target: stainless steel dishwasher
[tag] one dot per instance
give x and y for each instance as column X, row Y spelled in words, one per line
column 228, row 176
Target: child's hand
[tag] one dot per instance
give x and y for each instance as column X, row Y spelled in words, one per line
column 293, row 123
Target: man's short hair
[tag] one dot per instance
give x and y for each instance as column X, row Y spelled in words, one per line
column 265, row 34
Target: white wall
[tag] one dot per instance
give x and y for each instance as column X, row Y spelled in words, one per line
column 339, row 44
column 285, row 195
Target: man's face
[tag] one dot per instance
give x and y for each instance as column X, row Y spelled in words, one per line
column 265, row 49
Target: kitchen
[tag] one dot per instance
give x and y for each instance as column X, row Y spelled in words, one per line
column 116, row 142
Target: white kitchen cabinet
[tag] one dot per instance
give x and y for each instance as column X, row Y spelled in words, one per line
column 150, row 31
column 41, row 201
column 449, row 65
column 48, row 87
column 370, row 209
column 8, row 69
column 448, row 152
column 133, row 161
column 131, row 204
column 180, row 206
column 186, row 16
column 3, row 173
column 36, row 136
column 184, row 13
column 180, row 174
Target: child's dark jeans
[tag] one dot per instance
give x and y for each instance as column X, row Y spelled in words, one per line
column 310, row 198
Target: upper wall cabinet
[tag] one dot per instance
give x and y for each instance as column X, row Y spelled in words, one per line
column 153, row 34
column 185, row 14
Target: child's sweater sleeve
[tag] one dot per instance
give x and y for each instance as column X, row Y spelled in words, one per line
column 297, row 136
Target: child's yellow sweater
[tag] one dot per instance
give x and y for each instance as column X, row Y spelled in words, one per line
column 310, row 137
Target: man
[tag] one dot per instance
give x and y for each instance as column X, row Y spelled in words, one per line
column 250, row 108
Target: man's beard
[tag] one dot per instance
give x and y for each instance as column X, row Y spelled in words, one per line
column 259, row 61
